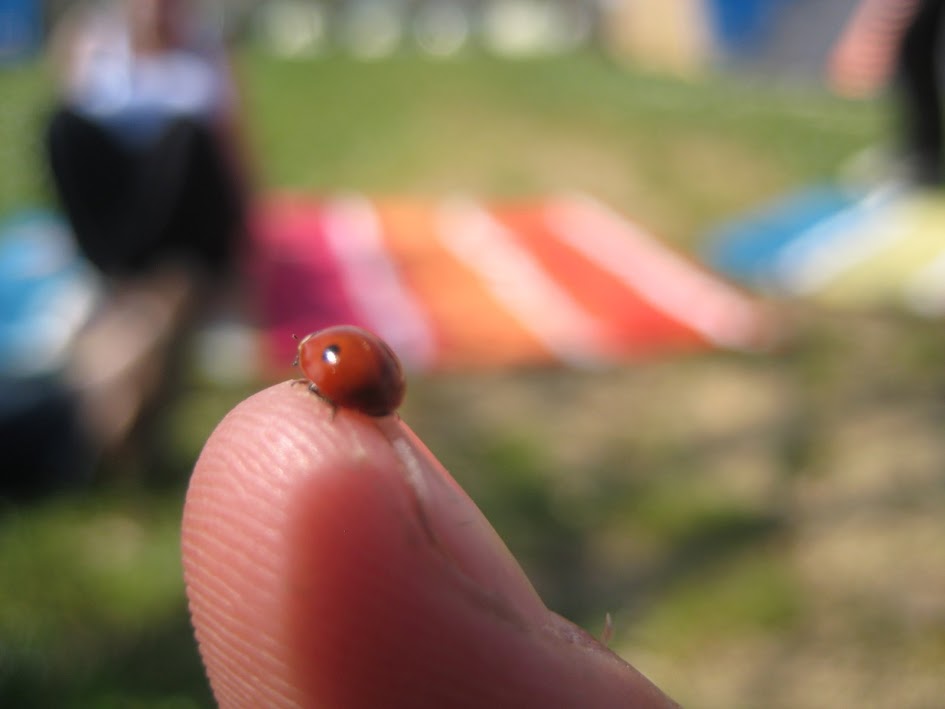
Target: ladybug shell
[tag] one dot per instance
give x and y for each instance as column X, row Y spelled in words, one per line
column 353, row 368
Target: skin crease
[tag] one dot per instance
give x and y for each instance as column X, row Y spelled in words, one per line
column 330, row 561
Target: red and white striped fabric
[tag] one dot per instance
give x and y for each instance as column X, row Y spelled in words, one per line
column 459, row 284
column 862, row 61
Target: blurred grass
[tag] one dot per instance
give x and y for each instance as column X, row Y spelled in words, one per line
column 751, row 522
column 681, row 154
column 91, row 612
column 26, row 99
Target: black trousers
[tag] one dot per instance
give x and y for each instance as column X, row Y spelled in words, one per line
column 131, row 209
column 918, row 90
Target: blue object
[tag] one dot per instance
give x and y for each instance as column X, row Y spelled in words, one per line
column 21, row 29
column 47, row 292
column 740, row 26
column 748, row 250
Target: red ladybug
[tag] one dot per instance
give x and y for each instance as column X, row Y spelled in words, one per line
column 352, row 368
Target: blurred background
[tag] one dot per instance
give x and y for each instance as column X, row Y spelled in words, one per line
column 763, row 523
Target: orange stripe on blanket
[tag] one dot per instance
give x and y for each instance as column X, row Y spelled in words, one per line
column 472, row 329
column 372, row 280
column 520, row 284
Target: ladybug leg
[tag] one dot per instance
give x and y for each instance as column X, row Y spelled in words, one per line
column 314, row 389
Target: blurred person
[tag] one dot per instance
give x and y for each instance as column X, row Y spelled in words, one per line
column 142, row 147
column 146, row 159
column 899, row 42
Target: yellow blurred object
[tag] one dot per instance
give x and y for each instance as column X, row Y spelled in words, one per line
column 659, row 35
column 904, row 244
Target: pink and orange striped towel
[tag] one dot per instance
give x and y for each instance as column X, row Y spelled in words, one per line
column 459, row 284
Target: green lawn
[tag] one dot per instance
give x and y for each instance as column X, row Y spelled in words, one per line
column 766, row 531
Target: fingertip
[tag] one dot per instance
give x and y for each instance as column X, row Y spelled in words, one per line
column 236, row 534
column 330, row 561
column 290, row 514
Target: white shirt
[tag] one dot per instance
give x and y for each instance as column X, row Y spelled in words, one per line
column 136, row 95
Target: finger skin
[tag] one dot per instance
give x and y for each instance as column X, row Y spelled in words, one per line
column 331, row 562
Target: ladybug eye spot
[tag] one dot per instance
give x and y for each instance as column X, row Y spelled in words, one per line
column 331, row 354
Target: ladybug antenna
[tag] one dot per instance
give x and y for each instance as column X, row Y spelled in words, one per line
column 296, row 362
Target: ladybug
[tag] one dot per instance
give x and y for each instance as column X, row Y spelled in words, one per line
column 352, row 368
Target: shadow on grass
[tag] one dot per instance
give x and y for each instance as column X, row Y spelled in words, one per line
column 659, row 535
column 153, row 666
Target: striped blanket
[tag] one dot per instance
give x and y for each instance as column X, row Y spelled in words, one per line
column 460, row 284
column 840, row 247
